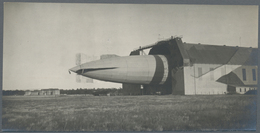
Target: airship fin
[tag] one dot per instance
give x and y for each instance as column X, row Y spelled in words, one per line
column 82, row 58
column 82, row 79
column 88, row 80
column 107, row 56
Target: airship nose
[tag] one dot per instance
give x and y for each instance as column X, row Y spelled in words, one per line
column 75, row 69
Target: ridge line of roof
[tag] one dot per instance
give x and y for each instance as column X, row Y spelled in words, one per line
column 218, row 45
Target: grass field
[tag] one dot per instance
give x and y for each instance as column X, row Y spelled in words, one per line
column 129, row 113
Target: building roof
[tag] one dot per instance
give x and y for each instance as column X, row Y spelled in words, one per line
column 48, row 89
column 216, row 54
column 231, row 79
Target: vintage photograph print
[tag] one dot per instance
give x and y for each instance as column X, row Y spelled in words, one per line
column 129, row 67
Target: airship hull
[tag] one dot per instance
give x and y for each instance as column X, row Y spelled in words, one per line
column 146, row 69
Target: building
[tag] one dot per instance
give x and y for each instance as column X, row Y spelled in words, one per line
column 201, row 69
column 50, row 92
column 42, row 92
column 27, row 92
column 35, row 93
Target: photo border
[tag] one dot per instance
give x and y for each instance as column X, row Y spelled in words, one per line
column 197, row 2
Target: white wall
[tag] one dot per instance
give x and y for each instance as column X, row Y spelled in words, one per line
column 206, row 83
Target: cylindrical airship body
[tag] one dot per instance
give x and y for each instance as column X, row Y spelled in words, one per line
column 145, row 69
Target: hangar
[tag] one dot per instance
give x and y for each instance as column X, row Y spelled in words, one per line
column 202, row 69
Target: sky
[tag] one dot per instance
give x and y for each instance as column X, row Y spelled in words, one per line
column 42, row 39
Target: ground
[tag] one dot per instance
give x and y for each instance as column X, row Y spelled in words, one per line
column 129, row 113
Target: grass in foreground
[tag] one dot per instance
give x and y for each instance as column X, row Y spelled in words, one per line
column 129, row 113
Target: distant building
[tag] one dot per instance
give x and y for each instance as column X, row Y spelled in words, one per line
column 35, row 93
column 42, row 92
column 50, row 92
column 27, row 92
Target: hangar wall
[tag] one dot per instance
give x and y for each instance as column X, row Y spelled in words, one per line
column 250, row 78
column 178, row 84
column 200, row 79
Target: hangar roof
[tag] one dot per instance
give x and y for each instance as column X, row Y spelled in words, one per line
column 216, row 54
column 233, row 80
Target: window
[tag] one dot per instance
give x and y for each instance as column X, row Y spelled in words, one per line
column 200, row 73
column 254, row 74
column 244, row 74
column 240, row 90
column 245, row 90
column 211, row 73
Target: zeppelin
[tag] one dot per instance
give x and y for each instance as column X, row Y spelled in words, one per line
column 145, row 69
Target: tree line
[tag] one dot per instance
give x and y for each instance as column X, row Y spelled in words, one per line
column 95, row 92
column 98, row 91
column 13, row 92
